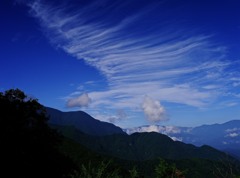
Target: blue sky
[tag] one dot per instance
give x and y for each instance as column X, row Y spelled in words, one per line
column 131, row 63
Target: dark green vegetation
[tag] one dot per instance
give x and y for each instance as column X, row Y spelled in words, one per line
column 142, row 146
column 30, row 148
column 145, row 152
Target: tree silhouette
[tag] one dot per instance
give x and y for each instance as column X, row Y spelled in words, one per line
column 29, row 147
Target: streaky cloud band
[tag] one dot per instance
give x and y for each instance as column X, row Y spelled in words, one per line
column 165, row 64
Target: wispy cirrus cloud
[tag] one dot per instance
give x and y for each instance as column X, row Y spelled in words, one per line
column 137, row 59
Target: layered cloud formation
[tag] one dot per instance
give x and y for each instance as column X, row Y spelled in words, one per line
column 140, row 53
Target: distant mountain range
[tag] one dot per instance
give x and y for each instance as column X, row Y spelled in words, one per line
column 225, row 137
column 108, row 139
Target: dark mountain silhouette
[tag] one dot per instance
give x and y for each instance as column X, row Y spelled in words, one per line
column 30, row 148
column 106, row 138
column 196, row 167
column 141, row 146
column 83, row 122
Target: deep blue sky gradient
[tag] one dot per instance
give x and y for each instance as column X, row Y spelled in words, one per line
column 50, row 61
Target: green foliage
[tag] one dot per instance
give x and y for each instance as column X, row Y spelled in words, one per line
column 133, row 173
column 104, row 170
column 165, row 170
column 226, row 169
column 100, row 171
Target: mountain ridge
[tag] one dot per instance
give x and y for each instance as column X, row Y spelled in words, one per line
column 225, row 136
column 82, row 121
column 220, row 136
column 141, row 146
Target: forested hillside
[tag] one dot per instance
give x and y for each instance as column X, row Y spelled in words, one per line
column 31, row 148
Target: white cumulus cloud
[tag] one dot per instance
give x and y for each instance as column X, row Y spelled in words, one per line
column 81, row 101
column 153, row 110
